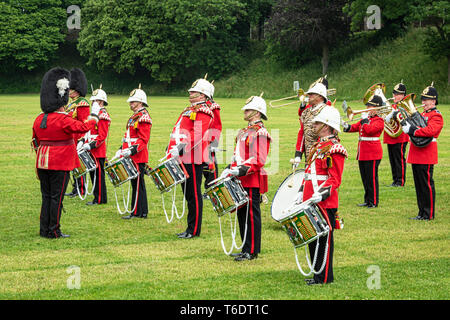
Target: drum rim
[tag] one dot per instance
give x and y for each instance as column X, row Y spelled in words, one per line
column 282, row 183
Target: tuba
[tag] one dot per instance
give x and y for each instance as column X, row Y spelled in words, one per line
column 393, row 127
column 408, row 113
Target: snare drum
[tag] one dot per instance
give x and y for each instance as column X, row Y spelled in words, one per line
column 227, row 195
column 304, row 223
column 87, row 164
column 168, row 174
column 121, row 170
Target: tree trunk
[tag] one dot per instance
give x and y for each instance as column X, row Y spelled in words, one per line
column 325, row 58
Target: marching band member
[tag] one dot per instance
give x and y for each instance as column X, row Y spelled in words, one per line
column 423, row 159
column 321, row 182
column 210, row 170
column 252, row 148
column 317, row 99
column 397, row 146
column 135, row 146
column 189, row 141
column 95, row 142
column 370, row 150
column 78, row 109
column 56, row 151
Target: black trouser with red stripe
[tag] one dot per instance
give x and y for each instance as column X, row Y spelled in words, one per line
column 425, row 192
column 53, row 186
column 194, row 198
column 369, row 175
column 326, row 276
column 100, row 195
column 397, row 158
column 138, row 186
column 252, row 241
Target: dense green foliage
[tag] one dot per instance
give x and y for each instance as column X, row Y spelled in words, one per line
column 30, row 32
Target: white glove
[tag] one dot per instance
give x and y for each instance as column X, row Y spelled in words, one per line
column 95, row 108
column 80, row 144
column 365, row 115
column 86, row 147
column 174, row 151
column 234, row 171
column 299, row 198
column 345, row 125
column 297, row 161
column 126, row 152
column 389, row 116
column 118, row 154
column 225, row 174
column 316, row 198
column 406, row 127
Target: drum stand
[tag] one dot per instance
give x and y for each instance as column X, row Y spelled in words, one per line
column 174, row 207
column 233, row 233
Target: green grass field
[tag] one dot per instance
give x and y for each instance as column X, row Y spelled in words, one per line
column 143, row 259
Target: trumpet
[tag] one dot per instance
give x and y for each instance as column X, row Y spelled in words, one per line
column 301, row 96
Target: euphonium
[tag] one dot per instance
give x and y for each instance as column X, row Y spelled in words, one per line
column 410, row 114
column 393, row 127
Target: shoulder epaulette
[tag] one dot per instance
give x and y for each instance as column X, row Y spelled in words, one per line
column 205, row 109
column 104, row 115
column 263, row 132
column 339, row 148
column 82, row 102
column 145, row 117
column 214, row 106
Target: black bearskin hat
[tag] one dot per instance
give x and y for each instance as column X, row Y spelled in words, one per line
column 78, row 81
column 55, row 89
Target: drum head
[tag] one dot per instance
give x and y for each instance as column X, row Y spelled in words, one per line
column 286, row 194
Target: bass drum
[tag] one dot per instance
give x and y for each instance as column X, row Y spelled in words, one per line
column 286, row 194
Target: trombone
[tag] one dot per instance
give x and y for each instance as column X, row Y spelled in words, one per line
column 301, row 95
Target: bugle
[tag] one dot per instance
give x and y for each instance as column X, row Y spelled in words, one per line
column 301, row 96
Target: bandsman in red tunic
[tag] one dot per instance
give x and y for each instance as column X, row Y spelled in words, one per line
column 210, row 170
column 252, row 148
column 95, row 141
column 79, row 109
column 190, row 141
column 397, row 146
column 323, row 176
column 370, row 151
column 316, row 100
column 56, row 151
column 135, row 146
column 423, row 159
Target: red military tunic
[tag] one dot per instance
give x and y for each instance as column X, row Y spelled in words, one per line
column 252, row 148
column 428, row 154
column 78, row 109
column 57, row 149
column 138, row 134
column 216, row 125
column 99, row 134
column 191, row 129
column 403, row 137
column 369, row 145
column 327, row 163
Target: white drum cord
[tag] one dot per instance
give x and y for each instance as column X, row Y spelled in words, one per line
column 174, row 206
column 312, row 267
column 127, row 203
column 233, row 233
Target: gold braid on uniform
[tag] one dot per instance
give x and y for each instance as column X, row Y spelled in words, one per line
column 308, row 131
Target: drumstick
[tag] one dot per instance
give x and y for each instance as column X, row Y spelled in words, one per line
column 220, row 178
column 291, row 181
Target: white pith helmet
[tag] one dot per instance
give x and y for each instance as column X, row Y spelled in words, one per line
column 99, row 94
column 329, row 116
column 319, row 89
column 138, row 95
column 203, row 86
column 258, row 104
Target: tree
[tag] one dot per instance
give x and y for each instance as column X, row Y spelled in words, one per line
column 30, row 32
column 435, row 14
column 167, row 38
column 298, row 24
